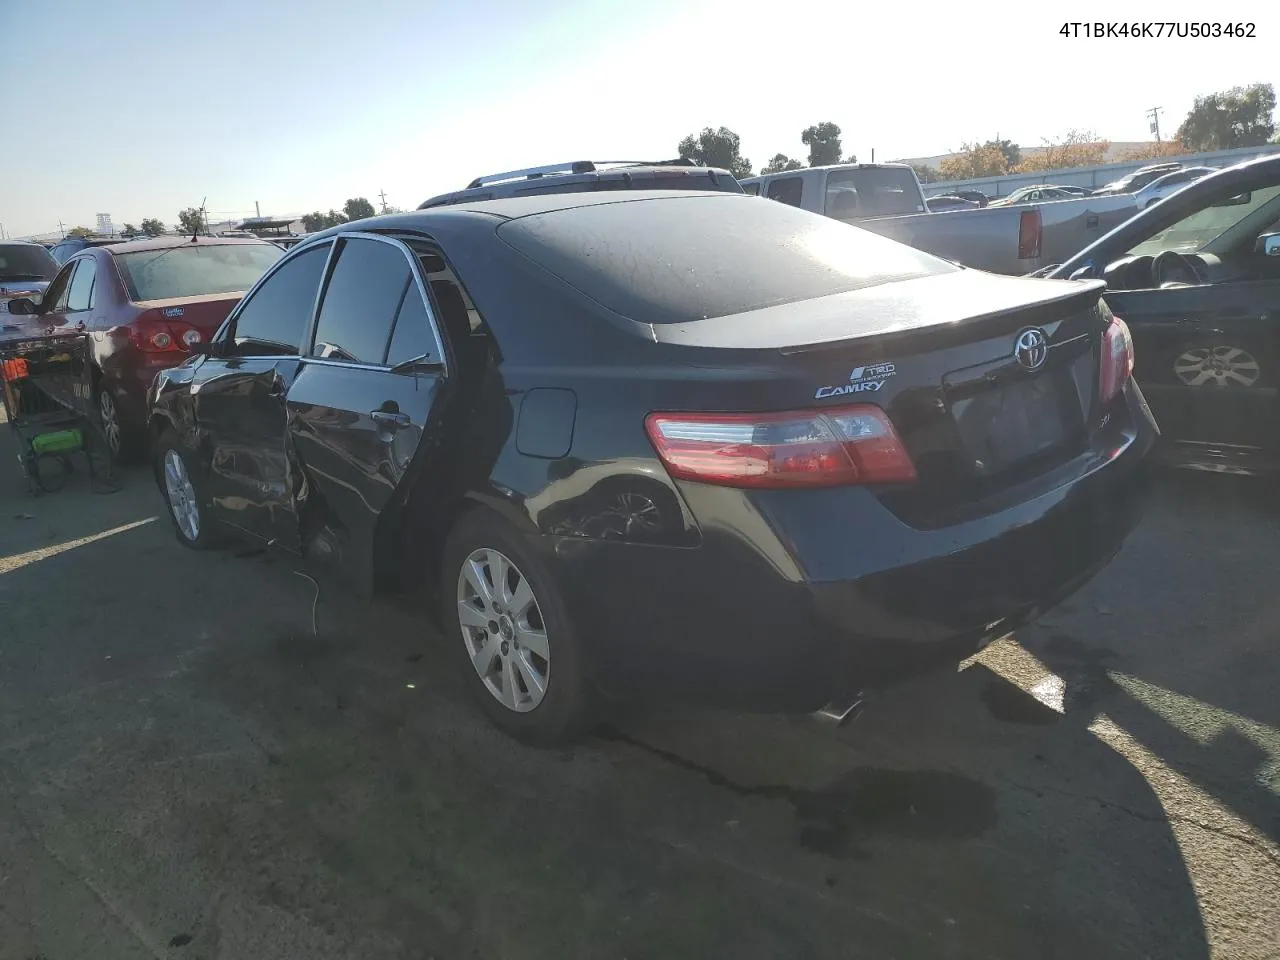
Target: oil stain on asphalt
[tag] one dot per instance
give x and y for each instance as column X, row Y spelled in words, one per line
column 835, row 819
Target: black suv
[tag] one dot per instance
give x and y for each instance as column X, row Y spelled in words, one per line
column 68, row 247
column 584, row 176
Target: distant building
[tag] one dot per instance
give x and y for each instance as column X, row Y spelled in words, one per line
column 105, row 228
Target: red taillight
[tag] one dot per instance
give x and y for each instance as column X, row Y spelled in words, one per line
column 1029, row 235
column 832, row 447
column 1117, row 360
column 154, row 336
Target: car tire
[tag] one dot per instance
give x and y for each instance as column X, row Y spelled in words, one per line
column 184, row 493
column 521, row 656
column 120, row 436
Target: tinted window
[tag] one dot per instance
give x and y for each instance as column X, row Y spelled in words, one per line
column 364, row 294
column 23, row 262
column 787, row 190
column 412, row 335
column 195, row 269
column 751, row 188
column 80, row 293
column 62, row 251
column 676, row 259
column 275, row 318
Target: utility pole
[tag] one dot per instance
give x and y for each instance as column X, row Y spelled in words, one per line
column 257, row 209
column 61, row 229
column 1154, row 114
column 383, row 195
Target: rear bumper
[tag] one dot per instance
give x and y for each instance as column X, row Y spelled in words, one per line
column 741, row 622
column 129, row 384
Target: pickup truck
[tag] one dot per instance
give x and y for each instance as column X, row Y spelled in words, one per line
column 886, row 198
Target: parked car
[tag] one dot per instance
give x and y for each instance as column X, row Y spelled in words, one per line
column 1073, row 190
column 25, row 270
column 949, row 202
column 1197, row 278
column 1042, row 193
column 887, row 199
column 146, row 303
column 1161, row 187
column 1137, row 179
column 583, row 176
column 977, row 196
column 538, row 403
column 68, row 247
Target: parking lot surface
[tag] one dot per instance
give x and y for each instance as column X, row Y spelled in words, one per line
column 206, row 756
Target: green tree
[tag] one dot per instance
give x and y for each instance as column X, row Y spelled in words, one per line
column 79, row 232
column 191, row 220
column 926, row 173
column 716, row 147
column 357, row 208
column 312, row 222
column 152, row 227
column 1011, row 151
column 780, row 163
column 823, row 141
column 128, row 230
column 1239, row 117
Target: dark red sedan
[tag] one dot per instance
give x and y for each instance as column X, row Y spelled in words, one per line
column 146, row 302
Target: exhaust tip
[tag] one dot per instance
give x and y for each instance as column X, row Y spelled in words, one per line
column 840, row 711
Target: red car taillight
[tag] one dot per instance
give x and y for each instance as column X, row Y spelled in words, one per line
column 1029, row 232
column 152, row 336
column 1117, row 360
column 832, row 447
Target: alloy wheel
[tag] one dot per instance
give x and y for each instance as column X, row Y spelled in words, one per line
column 110, row 421
column 1221, row 366
column 503, row 630
column 181, row 494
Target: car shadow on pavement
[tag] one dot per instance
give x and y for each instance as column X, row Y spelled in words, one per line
column 179, row 739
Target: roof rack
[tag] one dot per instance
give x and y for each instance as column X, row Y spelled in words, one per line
column 575, row 166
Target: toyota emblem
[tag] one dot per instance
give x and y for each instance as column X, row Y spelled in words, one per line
column 1031, row 348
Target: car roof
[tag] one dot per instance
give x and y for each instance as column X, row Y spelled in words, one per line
column 162, row 243
column 555, row 180
column 21, row 243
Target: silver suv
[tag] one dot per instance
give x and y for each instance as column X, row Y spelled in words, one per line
column 582, row 176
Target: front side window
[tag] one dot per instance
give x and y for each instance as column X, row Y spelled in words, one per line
column 370, row 281
column 274, row 320
column 55, row 298
column 751, row 188
column 80, row 292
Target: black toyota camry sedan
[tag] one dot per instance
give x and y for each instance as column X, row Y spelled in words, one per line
column 665, row 444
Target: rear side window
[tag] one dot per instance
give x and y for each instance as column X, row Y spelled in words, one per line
column 873, row 192
column 80, row 293
column 678, row 259
column 369, row 283
column 274, row 321
column 788, row 190
column 751, row 188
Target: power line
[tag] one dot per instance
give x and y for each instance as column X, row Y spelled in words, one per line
column 383, row 195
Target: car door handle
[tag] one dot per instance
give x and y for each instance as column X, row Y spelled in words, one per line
column 390, row 418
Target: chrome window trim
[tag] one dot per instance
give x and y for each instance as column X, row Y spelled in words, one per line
column 415, row 271
column 234, row 316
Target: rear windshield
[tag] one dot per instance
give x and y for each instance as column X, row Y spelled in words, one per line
column 677, row 259
column 20, row 261
column 875, row 192
column 195, row 270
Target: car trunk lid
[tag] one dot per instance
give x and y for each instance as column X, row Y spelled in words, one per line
column 989, row 381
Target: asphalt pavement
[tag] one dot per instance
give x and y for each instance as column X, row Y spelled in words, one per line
column 208, row 756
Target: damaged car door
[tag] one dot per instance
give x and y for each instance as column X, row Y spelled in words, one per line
column 239, row 401
column 360, row 405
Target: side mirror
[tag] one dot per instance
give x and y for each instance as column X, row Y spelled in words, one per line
column 206, row 348
column 1269, row 246
column 23, row 307
column 1082, row 273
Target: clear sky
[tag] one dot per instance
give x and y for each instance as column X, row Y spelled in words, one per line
column 142, row 107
